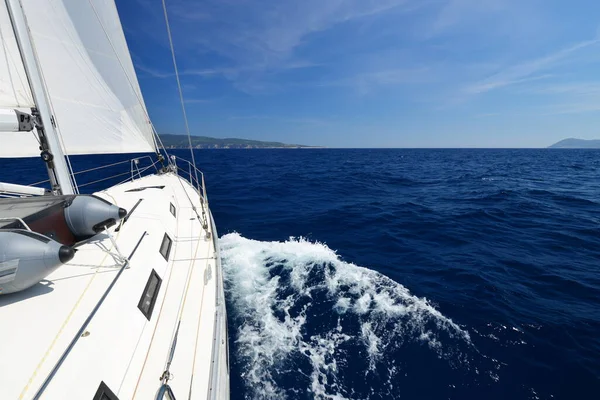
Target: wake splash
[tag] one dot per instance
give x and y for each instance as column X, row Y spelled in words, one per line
column 309, row 325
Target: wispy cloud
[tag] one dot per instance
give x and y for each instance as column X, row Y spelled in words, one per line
column 229, row 73
column 365, row 82
column 569, row 98
column 241, row 34
column 254, row 40
column 573, row 108
column 497, row 82
column 473, row 62
column 201, row 101
column 293, row 120
column 487, row 115
column 571, row 88
column 529, row 70
column 455, row 13
column 209, row 72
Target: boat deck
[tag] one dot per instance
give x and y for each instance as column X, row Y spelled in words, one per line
column 120, row 346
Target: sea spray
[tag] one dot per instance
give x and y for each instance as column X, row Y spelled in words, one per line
column 302, row 314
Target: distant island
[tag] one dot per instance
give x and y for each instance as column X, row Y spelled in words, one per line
column 205, row 142
column 572, row 143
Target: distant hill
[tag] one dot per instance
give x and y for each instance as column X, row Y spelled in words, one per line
column 205, row 142
column 576, row 144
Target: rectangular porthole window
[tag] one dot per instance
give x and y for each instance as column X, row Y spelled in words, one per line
column 165, row 246
column 104, row 393
column 173, row 211
column 146, row 304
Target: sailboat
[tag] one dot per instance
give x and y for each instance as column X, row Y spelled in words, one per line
column 112, row 295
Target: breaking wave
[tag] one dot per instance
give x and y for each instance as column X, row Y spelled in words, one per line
column 309, row 325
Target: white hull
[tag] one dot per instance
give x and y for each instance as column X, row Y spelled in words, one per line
column 42, row 352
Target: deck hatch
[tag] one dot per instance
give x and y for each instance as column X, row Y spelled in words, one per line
column 173, row 210
column 165, row 247
column 104, row 393
column 146, row 187
column 148, row 299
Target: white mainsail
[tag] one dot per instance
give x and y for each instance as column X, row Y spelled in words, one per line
column 102, row 323
column 94, row 92
column 14, row 87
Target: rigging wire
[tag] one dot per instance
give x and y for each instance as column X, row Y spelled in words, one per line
column 187, row 127
column 138, row 96
column 185, row 119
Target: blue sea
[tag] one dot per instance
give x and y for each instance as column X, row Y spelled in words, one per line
column 403, row 274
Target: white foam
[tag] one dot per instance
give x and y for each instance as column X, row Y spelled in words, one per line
column 273, row 286
column 322, row 351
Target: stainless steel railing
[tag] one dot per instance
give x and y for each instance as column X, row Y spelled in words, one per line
column 193, row 175
column 138, row 167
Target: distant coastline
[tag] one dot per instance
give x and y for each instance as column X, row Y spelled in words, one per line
column 205, row 142
column 573, row 143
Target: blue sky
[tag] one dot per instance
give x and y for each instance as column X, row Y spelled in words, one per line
column 373, row 73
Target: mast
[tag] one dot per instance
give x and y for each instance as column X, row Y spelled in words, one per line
column 51, row 150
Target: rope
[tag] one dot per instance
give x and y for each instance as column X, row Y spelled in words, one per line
column 198, row 326
column 170, row 263
column 85, row 324
column 65, row 322
column 166, row 376
column 187, row 127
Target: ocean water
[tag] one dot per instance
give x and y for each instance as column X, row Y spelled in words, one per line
column 403, row 274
